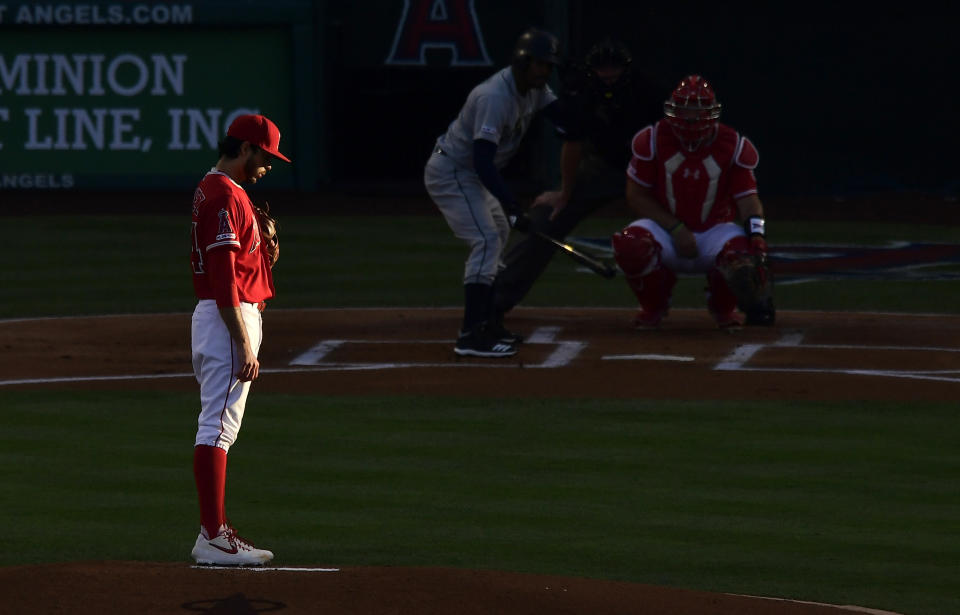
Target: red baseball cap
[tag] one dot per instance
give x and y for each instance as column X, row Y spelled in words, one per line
column 259, row 131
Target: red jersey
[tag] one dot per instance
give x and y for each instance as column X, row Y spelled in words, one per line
column 700, row 188
column 224, row 219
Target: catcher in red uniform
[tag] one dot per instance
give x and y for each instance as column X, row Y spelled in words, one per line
column 691, row 181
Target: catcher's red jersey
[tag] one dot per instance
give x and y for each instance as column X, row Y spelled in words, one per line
column 700, row 188
column 224, row 219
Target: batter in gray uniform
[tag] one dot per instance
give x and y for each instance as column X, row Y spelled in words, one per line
column 462, row 177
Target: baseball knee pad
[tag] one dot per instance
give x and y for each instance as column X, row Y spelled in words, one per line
column 638, row 254
column 636, row 251
column 734, row 249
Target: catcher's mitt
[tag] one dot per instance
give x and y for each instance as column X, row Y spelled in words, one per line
column 750, row 280
column 268, row 232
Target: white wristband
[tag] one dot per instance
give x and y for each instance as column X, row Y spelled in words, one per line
column 755, row 226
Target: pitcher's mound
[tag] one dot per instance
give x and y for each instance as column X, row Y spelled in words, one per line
column 145, row 587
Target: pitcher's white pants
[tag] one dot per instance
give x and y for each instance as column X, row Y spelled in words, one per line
column 215, row 364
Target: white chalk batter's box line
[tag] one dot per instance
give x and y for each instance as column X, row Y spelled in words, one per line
column 741, row 355
column 566, row 351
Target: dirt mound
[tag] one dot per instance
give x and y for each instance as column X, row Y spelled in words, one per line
column 146, row 588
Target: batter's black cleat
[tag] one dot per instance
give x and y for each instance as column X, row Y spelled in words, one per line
column 499, row 332
column 482, row 342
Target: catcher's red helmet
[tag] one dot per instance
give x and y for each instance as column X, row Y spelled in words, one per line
column 693, row 112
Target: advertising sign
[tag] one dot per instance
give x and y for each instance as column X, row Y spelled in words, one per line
column 135, row 95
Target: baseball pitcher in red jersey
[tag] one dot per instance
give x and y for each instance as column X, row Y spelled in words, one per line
column 232, row 279
column 692, row 181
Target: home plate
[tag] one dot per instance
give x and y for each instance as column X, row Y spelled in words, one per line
column 646, row 357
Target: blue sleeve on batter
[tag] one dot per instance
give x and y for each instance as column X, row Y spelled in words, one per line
column 483, row 153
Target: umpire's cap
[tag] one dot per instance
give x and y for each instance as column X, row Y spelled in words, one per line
column 539, row 45
column 259, row 131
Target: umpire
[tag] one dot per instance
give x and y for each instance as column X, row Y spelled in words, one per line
column 608, row 101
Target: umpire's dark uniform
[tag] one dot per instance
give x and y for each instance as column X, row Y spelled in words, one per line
column 604, row 118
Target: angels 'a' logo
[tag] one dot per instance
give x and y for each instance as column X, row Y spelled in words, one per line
column 438, row 24
column 224, row 230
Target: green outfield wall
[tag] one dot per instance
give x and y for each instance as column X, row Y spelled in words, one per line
column 127, row 94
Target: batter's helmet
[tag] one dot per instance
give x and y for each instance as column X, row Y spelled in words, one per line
column 537, row 44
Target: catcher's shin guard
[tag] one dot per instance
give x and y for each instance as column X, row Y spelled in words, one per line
column 653, row 293
column 748, row 278
column 638, row 255
column 721, row 302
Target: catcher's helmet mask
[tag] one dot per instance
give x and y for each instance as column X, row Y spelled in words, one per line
column 693, row 112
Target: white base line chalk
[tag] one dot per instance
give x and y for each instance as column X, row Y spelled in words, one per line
column 646, row 357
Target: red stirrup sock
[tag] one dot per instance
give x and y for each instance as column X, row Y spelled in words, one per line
column 210, row 473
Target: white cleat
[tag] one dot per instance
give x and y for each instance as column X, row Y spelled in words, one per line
column 228, row 549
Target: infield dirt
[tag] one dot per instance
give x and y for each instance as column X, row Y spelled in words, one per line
column 571, row 352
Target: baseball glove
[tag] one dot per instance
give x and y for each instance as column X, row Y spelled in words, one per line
column 749, row 278
column 268, row 232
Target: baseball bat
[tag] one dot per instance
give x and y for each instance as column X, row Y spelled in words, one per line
column 596, row 265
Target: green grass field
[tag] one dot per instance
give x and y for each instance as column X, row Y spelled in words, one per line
column 134, row 264
column 843, row 503
column 846, row 503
